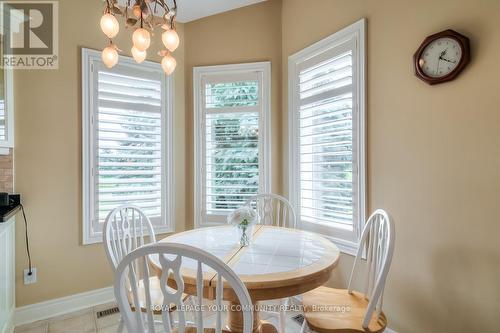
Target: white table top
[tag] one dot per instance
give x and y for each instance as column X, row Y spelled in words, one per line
column 274, row 254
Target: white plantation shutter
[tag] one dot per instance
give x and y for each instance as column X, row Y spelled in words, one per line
column 231, row 160
column 128, row 155
column 128, row 142
column 232, row 165
column 327, row 135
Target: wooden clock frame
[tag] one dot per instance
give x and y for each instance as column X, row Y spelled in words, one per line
column 464, row 45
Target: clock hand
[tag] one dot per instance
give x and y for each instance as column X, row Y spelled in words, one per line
column 440, row 58
column 453, row 62
column 442, row 54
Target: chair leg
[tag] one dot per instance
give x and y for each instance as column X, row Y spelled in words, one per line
column 283, row 305
column 171, row 317
column 304, row 326
column 120, row 326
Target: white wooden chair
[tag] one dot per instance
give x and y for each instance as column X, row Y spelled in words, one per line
column 339, row 310
column 275, row 210
column 125, row 229
column 170, row 257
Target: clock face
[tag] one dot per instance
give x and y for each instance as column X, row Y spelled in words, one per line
column 440, row 57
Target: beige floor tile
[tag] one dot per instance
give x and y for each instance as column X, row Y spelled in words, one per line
column 106, row 321
column 85, row 321
column 110, row 329
column 81, row 323
column 36, row 327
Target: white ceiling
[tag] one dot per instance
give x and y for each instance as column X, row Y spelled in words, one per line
column 190, row 10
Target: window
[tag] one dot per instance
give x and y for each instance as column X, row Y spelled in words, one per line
column 231, row 138
column 327, row 135
column 127, row 116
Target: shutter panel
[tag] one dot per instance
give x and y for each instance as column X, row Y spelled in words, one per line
column 128, row 153
column 231, row 148
column 232, row 160
column 326, row 139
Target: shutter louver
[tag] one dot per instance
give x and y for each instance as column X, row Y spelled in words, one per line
column 129, row 144
column 326, row 141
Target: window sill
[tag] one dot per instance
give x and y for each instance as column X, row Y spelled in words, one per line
column 345, row 247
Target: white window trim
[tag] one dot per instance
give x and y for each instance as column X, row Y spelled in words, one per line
column 264, row 122
column 91, row 236
column 359, row 29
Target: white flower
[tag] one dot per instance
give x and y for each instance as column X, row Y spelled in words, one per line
column 244, row 216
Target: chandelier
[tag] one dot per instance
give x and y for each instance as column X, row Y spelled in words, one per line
column 142, row 16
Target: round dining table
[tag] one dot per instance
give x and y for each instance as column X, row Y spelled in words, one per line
column 278, row 263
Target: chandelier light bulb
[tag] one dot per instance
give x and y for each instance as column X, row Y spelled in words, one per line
column 168, row 63
column 138, row 55
column 170, row 39
column 110, row 56
column 109, row 25
column 141, row 39
column 136, row 10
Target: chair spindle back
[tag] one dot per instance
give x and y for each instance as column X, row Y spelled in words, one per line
column 125, row 229
column 274, row 210
column 171, row 256
column 377, row 239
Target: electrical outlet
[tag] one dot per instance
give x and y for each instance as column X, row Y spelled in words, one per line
column 29, row 279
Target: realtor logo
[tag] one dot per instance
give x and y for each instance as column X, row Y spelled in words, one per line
column 29, row 34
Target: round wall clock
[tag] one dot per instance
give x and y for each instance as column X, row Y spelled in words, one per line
column 441, row 57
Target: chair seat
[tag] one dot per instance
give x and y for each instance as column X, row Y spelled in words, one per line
column 329, row 310
column 156, row 296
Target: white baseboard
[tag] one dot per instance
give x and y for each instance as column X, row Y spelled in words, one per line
column 388, row 330
column 43, row 310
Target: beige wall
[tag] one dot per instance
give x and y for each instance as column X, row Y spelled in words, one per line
column 249, row 34
column 432, row 151
column 433, row 155
column 48, row 160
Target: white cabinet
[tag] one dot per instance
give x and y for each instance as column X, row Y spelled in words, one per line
column 7, row 276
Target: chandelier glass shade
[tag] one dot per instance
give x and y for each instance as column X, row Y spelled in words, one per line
column 168, row 63
column 170, row 39
column 110, row 56
column 138, row 55
column 142, row 16
column 141, row 39
column 109, row 25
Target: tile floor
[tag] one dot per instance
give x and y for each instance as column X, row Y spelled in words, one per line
column 86, row 321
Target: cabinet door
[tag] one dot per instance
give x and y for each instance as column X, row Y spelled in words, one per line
column 7, row 275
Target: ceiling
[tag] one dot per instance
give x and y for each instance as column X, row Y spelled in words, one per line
column 190, row 10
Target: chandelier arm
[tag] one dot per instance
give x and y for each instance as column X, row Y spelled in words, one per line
column 153, row 12
column 162, row 5
column 172, row 18
column 108, row 6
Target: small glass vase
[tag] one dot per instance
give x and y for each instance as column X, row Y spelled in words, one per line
column 245, row 234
